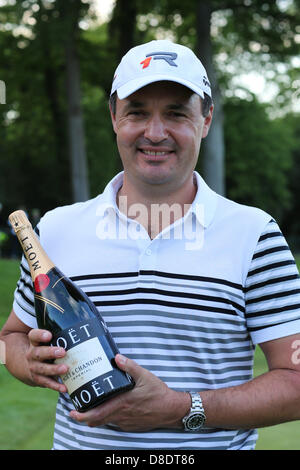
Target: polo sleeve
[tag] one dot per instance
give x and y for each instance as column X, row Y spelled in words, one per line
column 272, row 288
column 23, row 304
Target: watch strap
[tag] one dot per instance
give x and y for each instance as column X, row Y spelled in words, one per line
column 196, row 402
column 196, row 409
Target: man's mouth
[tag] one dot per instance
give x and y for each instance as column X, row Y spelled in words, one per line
column 156, row 154
column 151, row 152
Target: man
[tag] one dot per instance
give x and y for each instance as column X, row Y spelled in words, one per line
column 187, row 281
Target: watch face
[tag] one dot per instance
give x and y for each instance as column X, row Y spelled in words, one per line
column 195, row 421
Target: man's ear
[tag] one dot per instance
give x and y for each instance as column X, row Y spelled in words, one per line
column 207, row 122
column 113, row 117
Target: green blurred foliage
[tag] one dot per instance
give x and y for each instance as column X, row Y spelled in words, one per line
column 259, row 156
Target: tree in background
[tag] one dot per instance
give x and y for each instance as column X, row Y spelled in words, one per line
column 70, row 13
column 41, row 67
column 34, row 167
column 256, row 172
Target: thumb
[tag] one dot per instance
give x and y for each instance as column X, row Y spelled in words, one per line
column 128, row 365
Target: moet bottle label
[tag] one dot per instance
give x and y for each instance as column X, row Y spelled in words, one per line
column 85, row 355
column 86, row 362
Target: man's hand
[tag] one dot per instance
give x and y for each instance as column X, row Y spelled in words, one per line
column 150, row 404
column 43, row 374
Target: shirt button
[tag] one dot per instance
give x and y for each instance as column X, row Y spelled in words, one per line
column 148, row 252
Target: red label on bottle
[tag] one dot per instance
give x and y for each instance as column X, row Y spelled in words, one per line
column 41, row 282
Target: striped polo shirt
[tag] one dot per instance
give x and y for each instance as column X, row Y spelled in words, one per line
column 189, row 305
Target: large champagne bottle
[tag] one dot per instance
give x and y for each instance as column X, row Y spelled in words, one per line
column 75, row 323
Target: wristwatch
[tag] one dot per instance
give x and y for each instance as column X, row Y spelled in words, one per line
column 195, row 419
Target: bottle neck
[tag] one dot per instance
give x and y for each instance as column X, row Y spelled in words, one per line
column 37, row 259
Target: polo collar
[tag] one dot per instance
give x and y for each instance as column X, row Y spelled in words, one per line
column 109, row 195
column 204, row 205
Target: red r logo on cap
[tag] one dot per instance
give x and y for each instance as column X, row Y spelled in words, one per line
column 168, row 57
column 146, row 62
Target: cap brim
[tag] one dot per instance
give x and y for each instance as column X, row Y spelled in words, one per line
column 133, row 85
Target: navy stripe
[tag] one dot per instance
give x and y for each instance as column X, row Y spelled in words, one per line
column 269, row 282
column 111, row 303
column 274, row 295
column 263, row 327
column 187, row 295
column 269, row 251
column 271, row 266
column 103, row 276
column 272, row 311
column 159, row 274
column 25, row 297
column 269, row 235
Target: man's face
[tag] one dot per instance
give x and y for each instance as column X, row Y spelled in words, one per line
column 159, row 130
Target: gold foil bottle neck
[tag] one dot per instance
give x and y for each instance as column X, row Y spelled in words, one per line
column 19, row 221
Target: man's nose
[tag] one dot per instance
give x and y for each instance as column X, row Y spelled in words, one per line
column 156, row 129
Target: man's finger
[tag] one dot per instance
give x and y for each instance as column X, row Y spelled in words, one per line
column 37, row 336
column 46, row 353
column 130, row 366
column 48, row 382
column 42, row 368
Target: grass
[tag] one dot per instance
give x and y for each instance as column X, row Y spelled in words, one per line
column 28, row 414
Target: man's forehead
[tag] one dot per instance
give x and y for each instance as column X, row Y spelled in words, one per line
column 162, row 89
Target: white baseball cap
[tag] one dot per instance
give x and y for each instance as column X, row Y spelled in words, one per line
column 156, row 61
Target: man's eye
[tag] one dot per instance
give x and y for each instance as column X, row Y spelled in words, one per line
column 177, row 114
column 135, row 113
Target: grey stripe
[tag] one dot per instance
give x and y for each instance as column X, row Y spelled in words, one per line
column 198, row 360
column 240, row 337
column 217, row 381
column 187, row 315
column 208, row 436
column 195, row 287
column 206, row 330
column 201, row 371
column 179, row 347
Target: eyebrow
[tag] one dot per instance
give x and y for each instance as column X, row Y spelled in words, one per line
column 133, row 105
column 171, row 106
column 177, row 107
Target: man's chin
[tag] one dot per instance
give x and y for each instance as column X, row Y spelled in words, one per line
column 157, row 179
